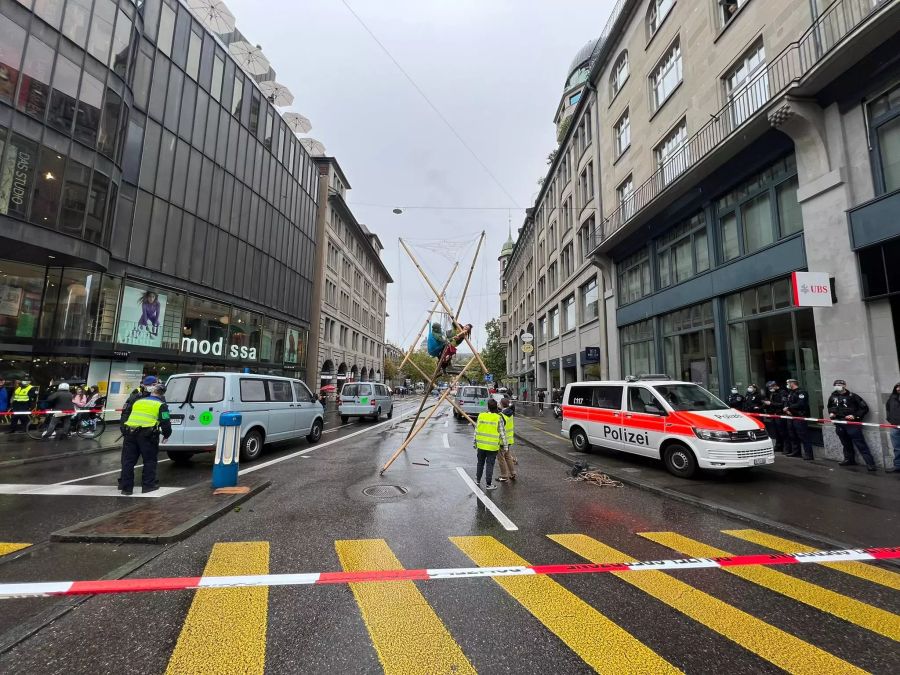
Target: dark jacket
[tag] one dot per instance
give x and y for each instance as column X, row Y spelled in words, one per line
column 841, row 405
column 776, row 402
column 60, row 400
column 753, row 402
column 892, row 407
column 735, row 401
column 797, row 402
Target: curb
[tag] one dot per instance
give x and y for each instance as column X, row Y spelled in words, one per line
column 61, row 455
column 694, row 501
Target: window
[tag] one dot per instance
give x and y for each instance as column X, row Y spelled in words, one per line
column 656, row 14
column 589, row 295
column 638, row 351
column 633, row 275
column 729, row 8
column 625, row 198
column 622, row 132
column 209, row 390
column 62, row 98
column 302, row 394
column 673, row 153
column 569, row 318
column 551, row 236
column 584, row 238
column 619, row 74
column 551, row 276
column 884, row 129
column 582, row 396
column 639, row 398
column 554, row 323
column 102, row 30
column 567, row 259
column 280, row 390
column 215, row 89
column 35, row 90
column 237, row 96
column 542, row 329
column 193, row 58
column 666, row 76
column 747, row 85
column 682, row 252
column 760, row 211
column 166, row 30
column 12, row 42
column 253, row 391
column 689, row 346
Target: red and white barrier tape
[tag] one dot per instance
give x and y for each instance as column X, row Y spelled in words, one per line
column 59, row 412
column 189, row 583
column 824, row 420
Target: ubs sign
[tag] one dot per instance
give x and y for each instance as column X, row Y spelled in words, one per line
column 811, row 289
column 217, row 348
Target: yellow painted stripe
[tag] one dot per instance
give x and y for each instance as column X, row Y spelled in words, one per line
column 407, row 634
column 876, row 575
column 225, row 629
column 773, row 644
column 8, row 547
column 599, row 641
column 862, row 614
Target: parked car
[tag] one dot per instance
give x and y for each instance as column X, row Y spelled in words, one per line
column 272, row 409
column 365, row 399
column 472, row 400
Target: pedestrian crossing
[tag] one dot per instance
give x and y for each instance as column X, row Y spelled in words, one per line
column 11, row 547
column 409, row 631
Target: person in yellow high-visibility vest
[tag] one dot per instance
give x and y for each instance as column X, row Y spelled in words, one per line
column 490, row 438
column 23, row 399
column 505, row 458
column 149, row 416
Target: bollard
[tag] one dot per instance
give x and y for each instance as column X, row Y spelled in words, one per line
column 225, row 467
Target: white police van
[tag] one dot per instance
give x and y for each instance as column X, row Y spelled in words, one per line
column 680, row 423
column 272, row 409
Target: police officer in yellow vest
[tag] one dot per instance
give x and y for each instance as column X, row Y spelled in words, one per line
column 505, row 458
column 148, row 418
column 490, row 438
column 23, row 399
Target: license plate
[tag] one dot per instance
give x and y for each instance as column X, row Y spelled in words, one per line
column 760, row 460
column 175, row 420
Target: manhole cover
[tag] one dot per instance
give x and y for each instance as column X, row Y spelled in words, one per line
column 385, row 491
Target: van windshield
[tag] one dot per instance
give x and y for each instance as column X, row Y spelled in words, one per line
column 177, row 389
column 356, row 390
column 473, row 392
column 689, row 397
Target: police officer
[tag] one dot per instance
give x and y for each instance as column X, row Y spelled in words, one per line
column 490, row 438
column 24, row 399
column 140, row 392
column 753, row 401
column 147, row 418
column 735, row 400
column 796, row 404
column 774, row 405
column 843, row 404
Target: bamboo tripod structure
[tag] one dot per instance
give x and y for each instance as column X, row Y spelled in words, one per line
column 413, row 430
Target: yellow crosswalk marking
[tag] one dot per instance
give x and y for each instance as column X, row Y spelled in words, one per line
column 9, row 547
column 876, row 575
column 407, row 634
column 773, row 644
column 225, row 629
column 864, row 615
column 601, row 643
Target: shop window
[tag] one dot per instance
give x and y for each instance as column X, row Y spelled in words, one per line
column 107, row 309
column 68, row 303
column 244, row 335
column 12, row 42
column 21, row 288
column 48, row 187
column 682, row 252
column 638, row 350
column 689, row 345
column 75, row 198
column 34, row 92
column 633, row 276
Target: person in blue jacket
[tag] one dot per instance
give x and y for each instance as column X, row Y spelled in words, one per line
column 443, row 348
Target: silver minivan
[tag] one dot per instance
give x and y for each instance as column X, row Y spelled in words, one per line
column 272, row 409
column 365, row 399
column 472, row 400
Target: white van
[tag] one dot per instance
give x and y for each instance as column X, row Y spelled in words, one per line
column 272, row 409
column 679, row 422
column 365, row 399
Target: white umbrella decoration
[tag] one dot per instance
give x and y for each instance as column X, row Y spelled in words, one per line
column 297, row 122
column 313, row 147
column 214, row 15
column 277, row 93
column 249, row 58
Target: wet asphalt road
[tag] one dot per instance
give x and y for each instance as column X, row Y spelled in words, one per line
column 315, row 517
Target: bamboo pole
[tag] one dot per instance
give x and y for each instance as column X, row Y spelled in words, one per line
column 425, row 395
column 468, row 279
column 444, row 303
column 450, row 400
column 414, row 433
column 430, row 314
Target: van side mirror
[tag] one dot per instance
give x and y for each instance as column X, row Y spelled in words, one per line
column 651, row 409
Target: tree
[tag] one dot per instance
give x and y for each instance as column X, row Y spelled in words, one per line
column 493, row 355
column 426, row 363
column 391, row 369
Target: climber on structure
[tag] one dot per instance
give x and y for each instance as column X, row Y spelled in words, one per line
column 443, row 348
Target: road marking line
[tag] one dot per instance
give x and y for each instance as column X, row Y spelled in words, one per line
column 446, row 441
column 483, row 498
column 10, row 547
column 862, row 614
column 773, row 644
column 407, row 634
column 600, row 642
column 446, row 423
column 300, row 453
column 77, row 490
column 105, row 473
column 876, row 575
column 225, row 629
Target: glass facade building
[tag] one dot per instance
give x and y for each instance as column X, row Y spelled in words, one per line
column 156, row 213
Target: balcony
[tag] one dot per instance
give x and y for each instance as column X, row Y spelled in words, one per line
column 799, row 69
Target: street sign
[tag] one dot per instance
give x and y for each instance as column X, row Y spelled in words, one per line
column 527, row 348
column 527, row 337
column 488, row 378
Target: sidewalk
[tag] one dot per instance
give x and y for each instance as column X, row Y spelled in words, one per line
column 18, row 448
column 819, row 500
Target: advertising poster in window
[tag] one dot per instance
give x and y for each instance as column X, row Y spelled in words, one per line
column 141, row 317
column 292, row 346
column 10, row 300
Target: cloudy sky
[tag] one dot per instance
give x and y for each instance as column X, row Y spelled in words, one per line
column 493, row 68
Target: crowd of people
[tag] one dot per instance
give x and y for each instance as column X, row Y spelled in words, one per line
column 18, row 396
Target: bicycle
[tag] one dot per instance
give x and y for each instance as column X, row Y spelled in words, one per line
column 84, row 425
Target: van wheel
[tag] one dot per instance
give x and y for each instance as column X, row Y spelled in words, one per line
column 344, row 419
column 391, row 412
column 315, row 434
column 580, row 440
column 680, row 461
column 377, row 414
column 251, row 446
column 179, row 457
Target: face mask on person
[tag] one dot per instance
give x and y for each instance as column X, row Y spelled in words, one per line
column 734, row 390
column 751, row 390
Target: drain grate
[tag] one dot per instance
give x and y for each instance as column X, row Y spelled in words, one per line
column 385, row 491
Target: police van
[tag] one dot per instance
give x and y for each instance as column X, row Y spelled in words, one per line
column 680, row 423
